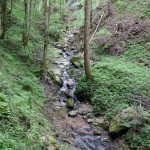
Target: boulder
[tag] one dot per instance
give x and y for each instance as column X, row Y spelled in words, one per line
column 72, row 113
column 124, row 120
column 70, row 103
column 77, row 61
column 97, row 131
column 70, row 84
column 100, row 122
column 89, row 120
column 54, row 73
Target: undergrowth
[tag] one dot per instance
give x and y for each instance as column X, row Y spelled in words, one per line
column 22, row 117
column 117, row 84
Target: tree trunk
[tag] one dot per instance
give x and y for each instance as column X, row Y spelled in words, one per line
column 110, row 13
column 44, row 6
column 30, row 17
column 26, row 23
column 86, row 39
column 11, row 11
column 47, row 20
column 4, row 18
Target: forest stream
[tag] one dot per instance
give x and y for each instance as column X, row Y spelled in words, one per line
column 71, row 125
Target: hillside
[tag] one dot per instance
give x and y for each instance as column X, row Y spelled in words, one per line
column 31, row 116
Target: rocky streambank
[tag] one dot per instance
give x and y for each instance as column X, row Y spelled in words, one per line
column 74, row 123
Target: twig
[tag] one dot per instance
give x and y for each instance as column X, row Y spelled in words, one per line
column 97, row 26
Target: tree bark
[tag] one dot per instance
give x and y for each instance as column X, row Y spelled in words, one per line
column 47, row 20
column 87, row 38
column 30, row 17
column 4, row 18
column 26, row 23
column 11, row 10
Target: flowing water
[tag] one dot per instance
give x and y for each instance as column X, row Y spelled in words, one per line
column 75, row 130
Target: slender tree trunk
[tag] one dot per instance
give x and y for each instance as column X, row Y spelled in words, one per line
column 47, row 20
column 109, row 8
column 86, row 39
column 27, row 20
column 4, row 18
column 44, row 6
column 11, row 10
column 91, row 15
column 30, row 17
column 25, row 26
column 1, row 15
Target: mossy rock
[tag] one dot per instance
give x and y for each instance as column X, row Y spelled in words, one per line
column 77, row 61
column 52, row 140
column 70, row 103
column 123, row 120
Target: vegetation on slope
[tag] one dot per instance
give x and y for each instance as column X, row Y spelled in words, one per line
column 22, row 119
column 121, row 74
column 22, row 116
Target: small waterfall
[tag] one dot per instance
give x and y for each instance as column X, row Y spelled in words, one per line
column 68, row 88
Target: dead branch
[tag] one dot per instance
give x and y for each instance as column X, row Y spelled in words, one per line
column 97, row 26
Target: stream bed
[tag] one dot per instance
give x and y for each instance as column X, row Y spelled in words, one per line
column 73, row 126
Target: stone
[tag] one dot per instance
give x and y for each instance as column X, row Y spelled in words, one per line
column 89, row 120
column 70, row 84
column 97, row 132
column 77, row 61
column 70, row 103
column 72, row 113
column 52, row 140
column 123, row 120
column 100, row 122
column 106, row 139
column 72, row 48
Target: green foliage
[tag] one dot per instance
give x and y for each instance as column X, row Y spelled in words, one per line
column 4, row 109
column 22, row 121
column 103, row 32
column 139, row 8
column 121, row 4
column 117, row 84
column 139, row 139
column 138, row 53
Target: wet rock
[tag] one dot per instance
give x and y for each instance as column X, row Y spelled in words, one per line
column 54, row 73
column 106, row 139
column 99, row 122
column 91, row 146
column 70, row 84
column 84, row 109
column 83, row 131
column 123, row 120
column 81, row 144
column 58, row 80
column 72, row 113
column 70, row 103
column 97, row 131
column 72, row 48
column 77, row 61
column 89, row 120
